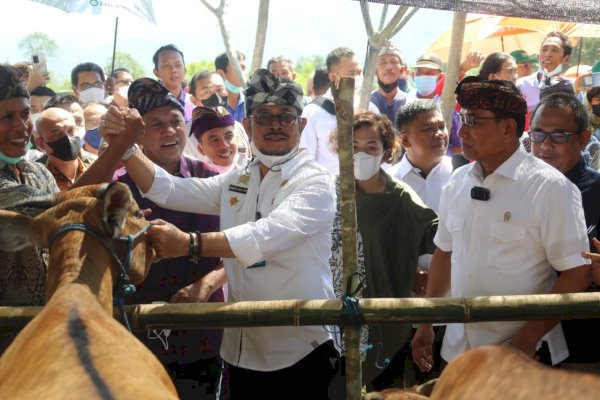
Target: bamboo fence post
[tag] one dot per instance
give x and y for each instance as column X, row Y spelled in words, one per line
column 343, row 95
column 454, row 59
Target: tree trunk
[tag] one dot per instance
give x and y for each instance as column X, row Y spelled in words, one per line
column 229, row 49
column 261, row 35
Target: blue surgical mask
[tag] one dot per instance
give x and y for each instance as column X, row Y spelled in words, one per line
column 555, row 71
column 425, row 84
column 231, row 88
column 92, row 137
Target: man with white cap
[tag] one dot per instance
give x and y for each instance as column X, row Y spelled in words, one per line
column 390, row 68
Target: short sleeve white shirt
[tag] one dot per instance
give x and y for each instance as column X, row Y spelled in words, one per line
column 429, row 188
column 529, row 86
column 532, row 226
column 280, row 232
column 315, row 135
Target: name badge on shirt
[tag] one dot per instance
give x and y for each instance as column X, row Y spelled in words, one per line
column 238, row 189
column 259, row 264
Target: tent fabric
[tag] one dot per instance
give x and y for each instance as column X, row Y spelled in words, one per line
column 583, row 11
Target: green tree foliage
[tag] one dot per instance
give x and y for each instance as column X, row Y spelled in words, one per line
column 37, row 43
column 125, row 60
column 589, row 52
column 305, row 67
column 197, row 66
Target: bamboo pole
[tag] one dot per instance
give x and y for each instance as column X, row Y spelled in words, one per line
column 448, row 97
column 328, row 312
column 343, row 95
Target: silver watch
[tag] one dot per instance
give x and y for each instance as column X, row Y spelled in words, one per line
column 130, row 152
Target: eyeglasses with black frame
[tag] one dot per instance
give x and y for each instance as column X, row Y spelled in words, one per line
column 556, row 137
column 266, row 119
column 86, row 86
column 469, row 119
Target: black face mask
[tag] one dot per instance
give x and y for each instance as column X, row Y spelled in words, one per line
column 596, row 110
column 387, row 88
column 215, row 101
column 66, row 148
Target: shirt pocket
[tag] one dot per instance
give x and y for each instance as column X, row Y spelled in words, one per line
column 507, row 244
column 455, row 227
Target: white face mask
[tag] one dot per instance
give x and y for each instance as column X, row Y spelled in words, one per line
column 271, row 161
column 123, row 91
column 91, row 95
column 80, row 132
column 34, row 118
column 555, row 71
column 425, row 84
column 366, row 166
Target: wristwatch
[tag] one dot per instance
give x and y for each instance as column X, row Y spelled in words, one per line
column 130, row 152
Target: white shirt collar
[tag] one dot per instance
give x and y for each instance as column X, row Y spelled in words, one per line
column 509, row 168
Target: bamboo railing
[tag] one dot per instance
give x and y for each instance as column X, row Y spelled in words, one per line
column 329, row 312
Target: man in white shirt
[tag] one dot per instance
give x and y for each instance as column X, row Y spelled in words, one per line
column 508, row 222
column 276, row 218
column 555, row 51
column 320, row 114
column 424, row 137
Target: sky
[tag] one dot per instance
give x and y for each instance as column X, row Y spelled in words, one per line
column 295, row 29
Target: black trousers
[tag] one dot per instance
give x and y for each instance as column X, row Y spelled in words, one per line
column 309, row 378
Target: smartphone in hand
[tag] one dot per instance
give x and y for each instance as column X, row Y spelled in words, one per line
column 592, row 80
column 39, row 64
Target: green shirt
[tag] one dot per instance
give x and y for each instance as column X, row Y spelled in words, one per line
column 395, row 228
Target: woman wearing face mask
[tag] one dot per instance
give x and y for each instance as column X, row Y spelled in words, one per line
column 394, row 229
column 499, row 66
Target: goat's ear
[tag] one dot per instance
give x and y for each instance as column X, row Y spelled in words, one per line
column 117, row 201
column 14, row 232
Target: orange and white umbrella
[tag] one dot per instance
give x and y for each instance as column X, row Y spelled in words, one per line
column 487, row 34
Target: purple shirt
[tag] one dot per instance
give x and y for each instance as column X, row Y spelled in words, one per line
column 169, row 275
column 186, row 102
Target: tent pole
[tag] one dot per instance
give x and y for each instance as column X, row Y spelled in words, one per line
column 579, row 56
column 454, row 59
column 112, row 68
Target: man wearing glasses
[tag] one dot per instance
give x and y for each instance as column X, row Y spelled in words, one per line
column 558, row 135
column 88, row 83
column 276, row 220
column 508, row 222
column 524, row 62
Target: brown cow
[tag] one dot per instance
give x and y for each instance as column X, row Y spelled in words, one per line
column 502, row 373
column 74, row 348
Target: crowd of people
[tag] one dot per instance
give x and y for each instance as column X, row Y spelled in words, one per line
column 240, row 183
